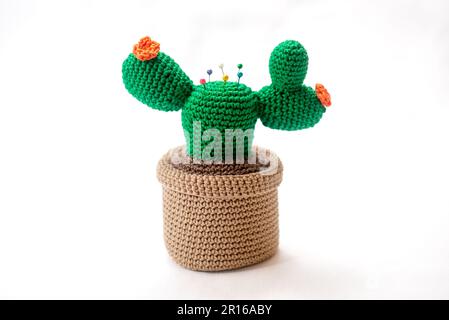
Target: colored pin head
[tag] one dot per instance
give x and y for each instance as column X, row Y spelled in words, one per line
column 239, row 74
column 203, row 82
column 225, row 78
column 209, row 72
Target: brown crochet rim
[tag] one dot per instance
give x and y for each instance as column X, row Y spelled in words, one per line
column 177, row 172
column 215, row 220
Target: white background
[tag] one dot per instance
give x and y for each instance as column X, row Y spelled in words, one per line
column 364, row 205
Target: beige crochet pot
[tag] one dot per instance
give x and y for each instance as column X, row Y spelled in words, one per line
column 220, row 216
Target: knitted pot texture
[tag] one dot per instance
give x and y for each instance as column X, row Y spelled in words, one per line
column 220, row 216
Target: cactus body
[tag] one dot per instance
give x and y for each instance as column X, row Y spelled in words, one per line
column 222, row 107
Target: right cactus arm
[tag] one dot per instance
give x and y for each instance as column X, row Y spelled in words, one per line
column 159, row 83
column 285, row 110
column 287, row 104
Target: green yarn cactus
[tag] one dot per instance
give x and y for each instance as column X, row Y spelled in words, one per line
column 226, row 108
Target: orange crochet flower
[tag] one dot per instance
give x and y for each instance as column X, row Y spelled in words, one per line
column 146, row 49
column 323, row 95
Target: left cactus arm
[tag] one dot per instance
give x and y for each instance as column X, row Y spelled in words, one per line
column 154, row 78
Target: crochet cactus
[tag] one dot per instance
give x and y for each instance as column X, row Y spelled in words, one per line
column 156, row 80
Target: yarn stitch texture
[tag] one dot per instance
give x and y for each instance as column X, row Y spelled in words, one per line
column 223, row 218
column 286, row 104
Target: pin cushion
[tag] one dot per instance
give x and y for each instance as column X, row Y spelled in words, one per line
column 220, row 201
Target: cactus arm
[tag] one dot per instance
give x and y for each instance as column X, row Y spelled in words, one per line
column 288, row 65
column 284, row 110
column 159, row 83
column 287, row 104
